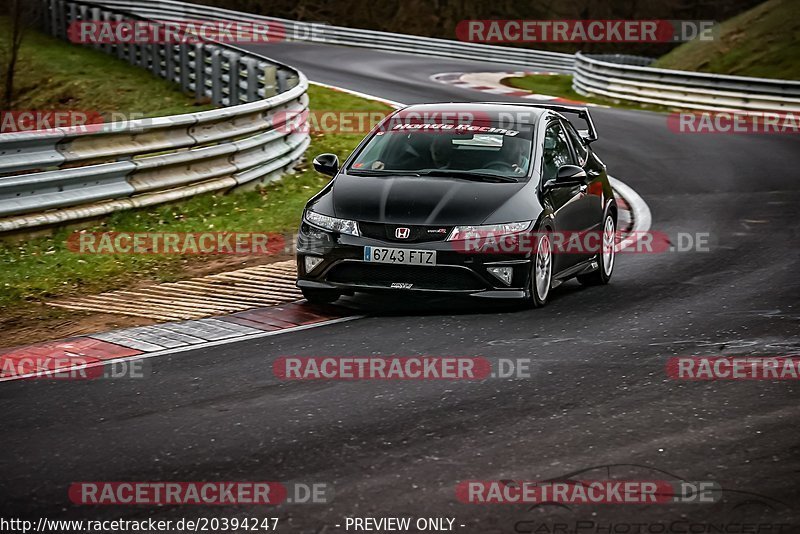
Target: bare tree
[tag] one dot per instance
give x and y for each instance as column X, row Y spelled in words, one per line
column 21, row 14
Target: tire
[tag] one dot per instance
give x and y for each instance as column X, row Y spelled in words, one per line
column 321, row 296
column 607, row 256
column 541, row 279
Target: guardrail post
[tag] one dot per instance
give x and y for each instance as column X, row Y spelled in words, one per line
column 121, row 49
column 169, row 61
column 155, row 57
column 269, row 80
column 109, row 48
column 157, row 66
column 144, row 55
column 234, row 78
column 53, row 18
column 45, row 20
column 184, row 67
column 60, row 22
column 50, row 14
column 283, row 80
column 252, row 76
column 94, row 17
column 216, row 76
column 72, row 16
column 82, row 14
column 199, row 71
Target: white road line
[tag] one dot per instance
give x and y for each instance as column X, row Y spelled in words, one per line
column 640, row 211
column 186, row 348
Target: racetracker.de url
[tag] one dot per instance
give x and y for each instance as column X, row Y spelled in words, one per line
column 202, row 524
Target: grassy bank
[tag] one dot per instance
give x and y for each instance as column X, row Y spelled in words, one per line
column 55, row 75
column 44, row 268
column 762, row 42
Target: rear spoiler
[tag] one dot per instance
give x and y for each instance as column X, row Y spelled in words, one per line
column 589, row 135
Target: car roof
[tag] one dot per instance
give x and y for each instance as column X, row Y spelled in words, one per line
column 489, row 110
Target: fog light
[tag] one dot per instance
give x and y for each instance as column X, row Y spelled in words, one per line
column 312, row 262
column 504, row 274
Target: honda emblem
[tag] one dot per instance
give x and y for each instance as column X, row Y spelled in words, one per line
column 402, row 233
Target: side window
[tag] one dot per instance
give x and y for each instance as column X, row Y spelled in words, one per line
column 556, row 151
column 577, row 143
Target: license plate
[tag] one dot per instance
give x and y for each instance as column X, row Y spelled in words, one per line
column 400, row 256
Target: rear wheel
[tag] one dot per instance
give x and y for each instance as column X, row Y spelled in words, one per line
column 320, row 296
column 607, row 256
column 541, row 271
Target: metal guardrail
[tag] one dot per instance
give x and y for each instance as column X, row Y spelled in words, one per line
column 628, row 78
column 618, row 77
column 67, row 174
column 376, row 40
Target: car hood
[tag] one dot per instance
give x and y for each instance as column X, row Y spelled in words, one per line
column 418, row 200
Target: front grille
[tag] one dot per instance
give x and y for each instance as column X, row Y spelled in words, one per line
column 417, row 234
column 377, row 275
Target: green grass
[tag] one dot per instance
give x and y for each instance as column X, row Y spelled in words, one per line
column 56, row 75
column 43, row 268
column 762, row 42
column 560, row 85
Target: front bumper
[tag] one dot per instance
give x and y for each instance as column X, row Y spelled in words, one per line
column 343, row 268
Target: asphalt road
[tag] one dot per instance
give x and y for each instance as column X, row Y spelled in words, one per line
column 598, row 394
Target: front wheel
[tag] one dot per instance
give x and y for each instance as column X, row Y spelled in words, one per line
column 541, row 272
column 607, row 257
column 320, row 296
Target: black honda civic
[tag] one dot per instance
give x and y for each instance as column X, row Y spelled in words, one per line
column 484, row 199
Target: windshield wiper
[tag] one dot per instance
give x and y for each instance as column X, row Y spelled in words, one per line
column 370, row 172
column 468, row 175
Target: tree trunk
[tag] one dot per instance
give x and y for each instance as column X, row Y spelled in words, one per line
column 13, row 53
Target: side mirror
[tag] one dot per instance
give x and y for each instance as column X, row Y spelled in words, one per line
column 567, row 176
column 327, row 164
column 570, row 174
column 588, row 136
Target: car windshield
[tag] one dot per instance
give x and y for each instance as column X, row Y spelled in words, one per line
column 470, row 151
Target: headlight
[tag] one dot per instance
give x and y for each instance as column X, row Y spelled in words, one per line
column 343, row 226
column 460, row 233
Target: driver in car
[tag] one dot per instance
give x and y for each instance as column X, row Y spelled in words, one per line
column 514, row 152
column 441, row 151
